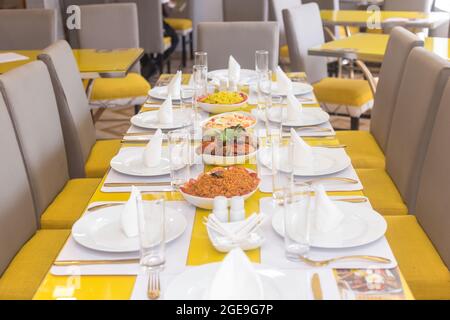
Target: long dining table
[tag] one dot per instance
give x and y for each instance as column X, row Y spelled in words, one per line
column 92, row 63
column 371, row 47
column 200, row 250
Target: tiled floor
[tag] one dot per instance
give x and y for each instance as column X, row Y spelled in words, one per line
column 114, row 122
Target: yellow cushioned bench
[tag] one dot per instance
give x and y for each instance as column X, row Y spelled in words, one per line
column 70, row 204
column 28, row 268
column 426, row 274
column 100, row 157
column 362, row 148
column 382, row 192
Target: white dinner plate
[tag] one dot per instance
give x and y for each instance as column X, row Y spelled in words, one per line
column 361, row 225
column 193, row 283
column 298, row 89
column 161, row 93
column 326, row 161
column 130, row 161
column 101, row 230
column 309, row 117
column 247, row 76
column 149, row 120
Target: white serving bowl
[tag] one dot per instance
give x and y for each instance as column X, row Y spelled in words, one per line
column 227, row 161
column 204, row 122
column 207, row 203
column 221, row 108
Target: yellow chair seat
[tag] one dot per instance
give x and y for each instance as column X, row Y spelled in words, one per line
column 101, row 154
column 167, row 42
column 382, row 192
column 70, row 204
column 179, row 24
column 426, row 274
column 339, row 91
column 29, row 267
column 362, row 148
column 284, row 52
column 131, row 86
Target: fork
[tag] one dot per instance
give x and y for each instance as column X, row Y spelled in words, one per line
column 154, row 287
column 322, row 263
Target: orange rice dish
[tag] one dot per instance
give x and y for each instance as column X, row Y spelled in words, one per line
column 228, row 182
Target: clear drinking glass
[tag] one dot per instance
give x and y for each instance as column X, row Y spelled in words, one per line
column 180, row 156
column 261, row 61
column 264, row 93
column 297, row 221
column 201, row 59
column 151, row 219
column 282, row 168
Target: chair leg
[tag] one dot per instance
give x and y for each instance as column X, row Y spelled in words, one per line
column 354, row 123
column 169, row 66
column 183, row 51
column 160, row 60
column 191, row 44
column 137, row 108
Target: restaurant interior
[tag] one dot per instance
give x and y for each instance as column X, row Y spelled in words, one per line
column 224, row 150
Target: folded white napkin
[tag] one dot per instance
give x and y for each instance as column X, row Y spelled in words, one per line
column 153, row 150
column 165, row 112
column 236, row 279
column 294, row 108
column 327, row 214
column 129, row 215
column 284, row 84
column 302, row 153
column 234, row 69
column 174, row 87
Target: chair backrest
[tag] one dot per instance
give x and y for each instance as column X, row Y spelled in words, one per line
column 399, row 46
column 418, row 99
column 432, row 198
column 17, row 215
column 22, row 29
column 248, row 10
column 303, row 27
column 150, row 20
column 276, row 8
column 73, row 106
column 31, row 102
column 408, row 5
column 240, row 39
column 325, row 4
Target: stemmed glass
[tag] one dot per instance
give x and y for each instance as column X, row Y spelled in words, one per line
column 201, row 59
column 151, row 220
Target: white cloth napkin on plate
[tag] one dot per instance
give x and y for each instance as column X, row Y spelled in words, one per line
column 236, row 279
column 284, row 84
column 174, row 86
column 327, row 214
column 153, row 150
column 302, row 156
column 234, row 69
column 294, row 108
column 129, row 215
column 165, row 112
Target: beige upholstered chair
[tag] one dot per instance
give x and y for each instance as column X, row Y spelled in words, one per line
column 86, row 156
column 240, row 39
column 303, row 26
column 276, row 8
column 25, row 255
column 393, row 191
column 367, row 148
column 248, row 10
column 113, row 26
column 421, row 242
column 27, row 29
column 418, row 98
column 58, row 201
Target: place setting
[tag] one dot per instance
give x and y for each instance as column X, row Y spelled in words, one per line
column 108, row 238
column 154, row 167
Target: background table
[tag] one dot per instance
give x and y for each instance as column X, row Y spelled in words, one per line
column 371, row 47
column 92, row 63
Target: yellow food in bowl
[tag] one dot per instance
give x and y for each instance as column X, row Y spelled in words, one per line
column 224, row 97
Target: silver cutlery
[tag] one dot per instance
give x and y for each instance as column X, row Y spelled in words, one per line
column 322, row 263
column 66, row 263
column 136, row 184
column 337, row 179
column 104, row 205
column 154, row 286
column 316, row 287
